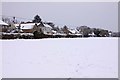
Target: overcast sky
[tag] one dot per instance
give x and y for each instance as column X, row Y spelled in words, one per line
column 93, row 14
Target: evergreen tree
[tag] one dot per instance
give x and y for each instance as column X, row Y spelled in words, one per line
column 37, row 19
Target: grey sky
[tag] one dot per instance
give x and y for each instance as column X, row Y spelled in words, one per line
column 93, row 14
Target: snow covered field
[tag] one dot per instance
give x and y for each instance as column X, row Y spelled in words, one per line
column 60, row 58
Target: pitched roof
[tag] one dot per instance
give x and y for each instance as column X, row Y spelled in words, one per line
column 46, row 25
column 3, row 23
column 26, row 26
column 30, row 25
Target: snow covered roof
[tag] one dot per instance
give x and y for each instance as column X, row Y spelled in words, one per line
column 26, row 26
column 46, row 25
column 3, row 23
column 54, row 31
column 30, row 25
column 72, row 31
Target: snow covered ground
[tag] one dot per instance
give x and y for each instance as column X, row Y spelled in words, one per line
column 60, row 58
column 0, row 60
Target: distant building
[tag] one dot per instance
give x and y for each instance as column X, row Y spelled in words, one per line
column 31, row 27
column 46, row 29
column 73, row 31
column 3, row 26
column 25, row 27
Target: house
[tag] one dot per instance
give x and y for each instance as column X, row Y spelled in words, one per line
column 25, row 27
column 3, row 23
column 31, row 27
column 73, row 31
column 47, row 29
column 3, row 26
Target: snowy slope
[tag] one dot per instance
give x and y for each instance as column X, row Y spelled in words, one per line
column 61, row 57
